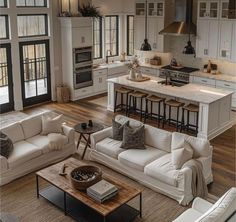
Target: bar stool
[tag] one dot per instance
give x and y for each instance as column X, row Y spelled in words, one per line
column 154, row 99
column 190, row 108
column 134, row 96
column 123, row 91
column 172, row 104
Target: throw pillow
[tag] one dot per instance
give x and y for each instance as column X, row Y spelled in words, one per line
column 133, row 138
column 181, row 155
column 51, row 125
column 117, row 130
column 6, row 145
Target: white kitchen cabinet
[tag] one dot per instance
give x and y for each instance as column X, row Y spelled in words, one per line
column 204, row 81
column 117, row 71
column 82, row 37
column 155, row 8
column 208, row 9
column 233, row 45
column 100, row 83
column 148, row 71
column 83, row 92
column 207, row 38
column 224, row 9
column 140, row 8
column 139, row 31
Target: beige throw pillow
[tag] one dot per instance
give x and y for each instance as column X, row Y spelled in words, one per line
column 51, row 125
column 181, row 155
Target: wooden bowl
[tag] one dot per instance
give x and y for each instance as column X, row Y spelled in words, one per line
column 90, row 175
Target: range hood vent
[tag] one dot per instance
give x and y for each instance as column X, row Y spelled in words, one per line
column 183, row 24
column 232, row 9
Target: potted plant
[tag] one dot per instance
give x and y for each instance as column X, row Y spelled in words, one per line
column 89, row 10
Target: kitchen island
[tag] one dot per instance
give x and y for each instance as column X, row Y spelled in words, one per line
column 214, row 104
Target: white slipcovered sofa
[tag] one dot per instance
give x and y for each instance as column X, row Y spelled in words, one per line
column 31, row 150
column 203, row 211
column 152, row 166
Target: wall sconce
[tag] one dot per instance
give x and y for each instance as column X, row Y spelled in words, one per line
column 64, row 8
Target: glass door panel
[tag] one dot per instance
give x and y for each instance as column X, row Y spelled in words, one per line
column 35, row 72
column 213, row 9
column 6, row 85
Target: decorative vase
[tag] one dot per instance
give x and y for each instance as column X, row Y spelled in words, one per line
column 139, row 76
column 132, row 74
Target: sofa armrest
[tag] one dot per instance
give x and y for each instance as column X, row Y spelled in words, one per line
column 100, row 135
column 184, row 181
column 201, row 205
column 3, row 164
column 207, row 169
column 69, row 132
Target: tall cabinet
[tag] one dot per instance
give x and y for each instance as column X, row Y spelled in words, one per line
column 216, row 34
column 155, row 23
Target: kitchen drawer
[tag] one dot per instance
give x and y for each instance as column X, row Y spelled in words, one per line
column 205, row 81
column 83, row 92
column 99, row 72
column 118, row 69
column 225, row 85
column 149, row 71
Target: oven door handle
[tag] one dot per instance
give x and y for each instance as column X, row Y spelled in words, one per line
column 81, row 71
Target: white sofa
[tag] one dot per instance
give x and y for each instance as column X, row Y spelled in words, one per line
column 203, row 211
column 31, row 150
column 152, row 166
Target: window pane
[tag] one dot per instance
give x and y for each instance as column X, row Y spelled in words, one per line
column 31, row 3
column 97, row 38
column 31, row 25
column 3, row 3
column 4, row 27
column 130, row 35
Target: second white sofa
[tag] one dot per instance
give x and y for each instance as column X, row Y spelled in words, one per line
column 152, row 166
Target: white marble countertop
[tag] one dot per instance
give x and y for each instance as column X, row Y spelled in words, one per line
column 223, row 77
column 192, row 92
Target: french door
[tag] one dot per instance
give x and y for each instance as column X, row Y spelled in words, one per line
column 35, row 72
column 6, row 83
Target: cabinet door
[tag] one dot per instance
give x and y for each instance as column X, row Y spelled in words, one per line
column 152, row 32
column 82, row 37
column 202, row 38
column 100, row 83
column 213, row 9
column 212, row 34
column 224, row 9
column 139, row 32
column 233, row 46
column 225, row 39
column 202, row 9
column 140, row 8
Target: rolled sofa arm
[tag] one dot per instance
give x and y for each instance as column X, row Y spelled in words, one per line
column 69, row 132
column 3, row 164
column 201, row 205
column 100, row 135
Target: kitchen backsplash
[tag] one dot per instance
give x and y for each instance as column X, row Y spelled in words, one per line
column 175, row 45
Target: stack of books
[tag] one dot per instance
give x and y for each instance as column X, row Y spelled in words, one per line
column 102, row 191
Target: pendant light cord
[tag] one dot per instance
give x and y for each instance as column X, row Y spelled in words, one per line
column 146, row 20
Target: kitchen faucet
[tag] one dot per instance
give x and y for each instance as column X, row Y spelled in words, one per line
column 107, row 55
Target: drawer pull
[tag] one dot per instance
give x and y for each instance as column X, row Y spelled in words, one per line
column 227, row 85
column 204, row 80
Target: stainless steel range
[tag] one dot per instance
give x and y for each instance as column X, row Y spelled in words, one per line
column 176, row 76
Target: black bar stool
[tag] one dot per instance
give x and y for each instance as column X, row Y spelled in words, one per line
column 190, row 108
column 133, row 96
column 123, row 91
column 154, row 99
column 172, row 104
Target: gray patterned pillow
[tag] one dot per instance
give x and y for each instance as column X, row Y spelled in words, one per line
column 133, row 138
column 117, row 130
column 6, row 145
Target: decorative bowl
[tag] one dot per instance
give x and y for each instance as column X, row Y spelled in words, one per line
column 85, row 176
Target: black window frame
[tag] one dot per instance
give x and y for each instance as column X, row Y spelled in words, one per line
column 101, row 42
column 117, row 34
column 7, row 27
column 30, row 6
column 46, row 25
column 5, row 4
column 128, row 37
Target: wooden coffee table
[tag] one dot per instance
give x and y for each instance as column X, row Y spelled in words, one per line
column 78, row 204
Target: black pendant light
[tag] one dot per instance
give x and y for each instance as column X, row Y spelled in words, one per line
column 189, row 49
column 146, row 46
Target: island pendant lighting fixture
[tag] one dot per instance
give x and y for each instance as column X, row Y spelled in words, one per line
column 189, row 49
column 146, row 46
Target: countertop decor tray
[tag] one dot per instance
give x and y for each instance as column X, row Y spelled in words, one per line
column 144, row 78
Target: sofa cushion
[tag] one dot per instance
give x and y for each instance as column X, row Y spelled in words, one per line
column 188, row 215
column 133, row 138
column 14, row 132
column 42, row 142
column 158, row 138
column 181, row 155
column 162, row 169
column 117, row 130
column 32, row 126
column 201, row 147
column 222, row 209
column 22, row 152
column 123, row 119
column 109, row 147
column 51, row 124
column 138, row 159
column 6, row 145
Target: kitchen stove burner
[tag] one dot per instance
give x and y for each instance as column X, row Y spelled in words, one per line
column 182, row 69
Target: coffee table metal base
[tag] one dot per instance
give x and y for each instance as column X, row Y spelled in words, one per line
column 80, row 212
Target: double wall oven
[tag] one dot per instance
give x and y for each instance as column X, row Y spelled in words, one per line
column 83, row 67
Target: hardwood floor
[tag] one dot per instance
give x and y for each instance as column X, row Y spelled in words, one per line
column 224, row 154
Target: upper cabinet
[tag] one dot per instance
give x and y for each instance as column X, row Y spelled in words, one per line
column 155, row 8
column 140, row 8
column 208, row 9
column 216, row 33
